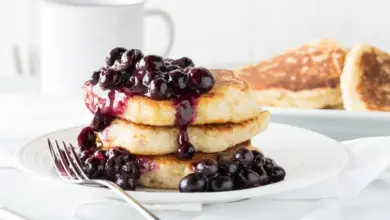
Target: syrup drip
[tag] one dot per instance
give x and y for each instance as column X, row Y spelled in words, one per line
column 185, row 114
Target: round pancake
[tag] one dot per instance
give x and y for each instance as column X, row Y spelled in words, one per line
column 165, row 172
column 365, row 82
column 149, row 140
column 305, row 77
column 231, row 100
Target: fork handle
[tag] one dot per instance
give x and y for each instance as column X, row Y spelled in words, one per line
column 124, row 195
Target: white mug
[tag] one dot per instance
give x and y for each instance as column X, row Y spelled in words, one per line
column 77, row 35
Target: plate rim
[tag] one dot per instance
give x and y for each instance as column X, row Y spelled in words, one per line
column 206, row 199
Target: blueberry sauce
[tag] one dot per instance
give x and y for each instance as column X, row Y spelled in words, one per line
column 129, row 73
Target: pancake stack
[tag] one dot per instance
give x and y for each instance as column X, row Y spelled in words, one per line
column 168, row 135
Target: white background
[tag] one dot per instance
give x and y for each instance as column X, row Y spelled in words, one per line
column 227, row 31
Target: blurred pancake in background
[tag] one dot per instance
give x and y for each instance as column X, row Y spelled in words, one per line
column 365, row 81
column 305, row 77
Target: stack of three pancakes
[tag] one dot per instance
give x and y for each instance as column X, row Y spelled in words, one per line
column 223, row 120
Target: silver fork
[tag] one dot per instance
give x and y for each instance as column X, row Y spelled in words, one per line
column 69, row 169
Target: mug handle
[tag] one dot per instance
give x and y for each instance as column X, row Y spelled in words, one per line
column 171, row 27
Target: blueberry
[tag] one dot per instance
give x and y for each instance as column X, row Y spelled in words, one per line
column 158, row 89
column 100, row 154
column 258, row 156
column 101, row 121
column 115, row 152
column 171, row 68
column 87, row 139
column 244, row 156
column 84, row 155
column 148, row 77
column 110, row 79
column 131, row 169
column 178, row 79
column 276, row 174
column 183, row 62
column 95, row 78
column 247, row 178
column 111, row 168
column 168, row 61
column 268, row 163
column 114, row 55
column 153, row 63
column 207, row 167
column 194, row 182
column 226, row 167
column 125, row 182
column 200, row 79
column 258, row 168
column 185, row 151
column 221, row 183
column 94, row 167
column 130, row 58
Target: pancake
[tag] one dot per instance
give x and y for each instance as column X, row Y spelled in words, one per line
column 305, row 77
column 231, row 100
column 149, row 140
column 165, row 172
column 365, row 82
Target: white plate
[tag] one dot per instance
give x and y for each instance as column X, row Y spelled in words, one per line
column 337, row 124
column 307, row 157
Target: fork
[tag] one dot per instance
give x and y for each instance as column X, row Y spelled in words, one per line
column 69, row 168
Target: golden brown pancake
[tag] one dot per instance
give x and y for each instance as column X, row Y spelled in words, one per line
column 365, row 82
column 305, row 77
column 150, row 140
column 231, row 100
column 165, row 172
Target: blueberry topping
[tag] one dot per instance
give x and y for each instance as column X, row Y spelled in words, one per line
column 244, row 156
column 130, row 58
column 84, row 155
column 112, row 167
column 183, row 62
column 95, row 77
column 158, row 89
column 125, row 182
column 269, row 163
column 221, row 183
column 247, row 178
column 153, row 63
column 185, row 151
column 101, row 121
column 94, row 167
column 87, row 139
column 200, row 80
column 207, row 167
column 115, row 55
column 194, row 182
column 131, row 169
column 258, row 168
column 110, row 78
column 226, row 167
column 178, row 79
column 257, row 155
column 276, row 174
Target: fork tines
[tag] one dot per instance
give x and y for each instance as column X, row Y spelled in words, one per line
column 67, row 164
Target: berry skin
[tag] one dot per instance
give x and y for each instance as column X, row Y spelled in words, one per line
column 194, row 182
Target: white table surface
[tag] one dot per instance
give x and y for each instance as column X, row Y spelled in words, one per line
column 23, row 117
